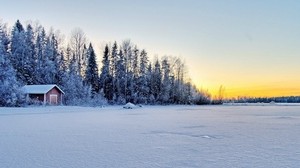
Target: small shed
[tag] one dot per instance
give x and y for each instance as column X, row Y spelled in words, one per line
column 51, row 94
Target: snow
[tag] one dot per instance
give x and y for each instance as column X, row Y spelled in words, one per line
column 39, row 89
column 129, row 106
column 151, row 137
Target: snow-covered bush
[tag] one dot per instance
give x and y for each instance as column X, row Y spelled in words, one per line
column 129, row 106
column 96, row 101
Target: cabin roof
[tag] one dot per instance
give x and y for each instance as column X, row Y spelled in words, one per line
column 39, row 89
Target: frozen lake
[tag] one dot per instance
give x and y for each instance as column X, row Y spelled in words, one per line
column 151, row 137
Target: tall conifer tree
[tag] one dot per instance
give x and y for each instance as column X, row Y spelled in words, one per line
column 91, row 74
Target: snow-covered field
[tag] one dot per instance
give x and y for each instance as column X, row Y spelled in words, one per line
column 152, row 136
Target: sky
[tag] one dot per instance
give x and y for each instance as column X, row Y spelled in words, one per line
column 251, row 47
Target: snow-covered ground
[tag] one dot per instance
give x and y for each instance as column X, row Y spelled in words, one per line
column 152, row 136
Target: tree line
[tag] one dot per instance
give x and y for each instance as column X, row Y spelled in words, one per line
column 281, row 99
column 30, row 55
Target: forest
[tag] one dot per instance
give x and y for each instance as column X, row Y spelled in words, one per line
column 31, row 55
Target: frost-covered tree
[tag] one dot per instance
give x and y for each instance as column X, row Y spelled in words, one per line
column 29, row 63
column 156, row 80
column 10, row 94
column 77, row 44
column 177, row 79
column 143, row 79
column 135, row 75
column 121, row 79
column 18, row 50
column 127, row 52
column 105, row 76
column 9, row 87
column 61, row 74
column 128, row 62
column 4, row 39
column 135, row 61
column 166, row 82
column 151, row 98
column 40, row 52
column 84, row 61
column 75, row 92
column 200, row 96
column 91, row 74
column 50, row 61
column 113, row 69
column 187, row 93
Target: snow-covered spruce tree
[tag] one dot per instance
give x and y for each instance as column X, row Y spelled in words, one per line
column 23, row 51
column 142, row 81
column 40, row 52
column 91, row 74
column 18, row 50
column 172, row 90
column 9, row 87
column 61, row 75
column 150, row 97
column 135, row 75
column 156, row 81
column 4, row 39
column 68, row 56
column 120, row 79
column 105, row 76
column 29, row 63
column 49, row 63
column 10, row 94
column 135, row 63
column 113, row 67
column 166, row 82
column 75, row 92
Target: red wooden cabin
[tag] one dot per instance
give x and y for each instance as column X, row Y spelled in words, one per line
column 48, row 94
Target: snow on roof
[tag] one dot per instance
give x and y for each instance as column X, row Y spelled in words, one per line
column 39, row 89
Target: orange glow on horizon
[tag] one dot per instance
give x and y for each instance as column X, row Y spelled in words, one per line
column 257, row 91
column 242, row 81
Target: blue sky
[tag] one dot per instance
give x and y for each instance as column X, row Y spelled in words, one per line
column 243, row 45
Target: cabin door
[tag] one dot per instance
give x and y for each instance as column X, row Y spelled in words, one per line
column 53, row 99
